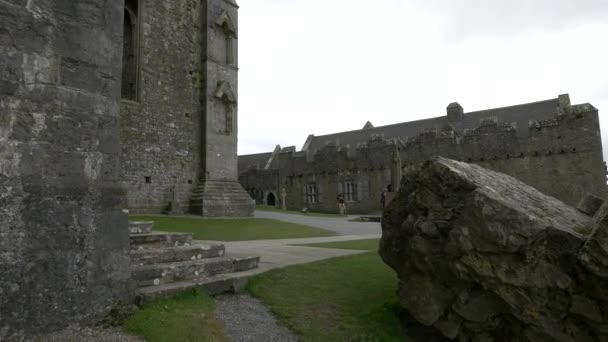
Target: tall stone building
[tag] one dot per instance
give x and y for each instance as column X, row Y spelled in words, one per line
column 179, row 108
column 551, row 145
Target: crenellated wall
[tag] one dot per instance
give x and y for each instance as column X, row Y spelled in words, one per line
column 561, row 156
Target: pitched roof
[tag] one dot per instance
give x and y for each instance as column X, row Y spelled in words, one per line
column 520, row 114
column 253, row 161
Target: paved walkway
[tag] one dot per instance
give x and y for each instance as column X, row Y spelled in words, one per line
column 339, row 225
column 281, row 253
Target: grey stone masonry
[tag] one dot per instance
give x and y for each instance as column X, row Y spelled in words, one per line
column 164, row 264
column 63, row 237
column 551, row 145
column 180, row 105
column 219, row 193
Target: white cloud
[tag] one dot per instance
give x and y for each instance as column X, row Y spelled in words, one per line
column 325, row 66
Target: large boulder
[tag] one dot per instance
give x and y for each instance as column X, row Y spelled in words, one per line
column 482, row 256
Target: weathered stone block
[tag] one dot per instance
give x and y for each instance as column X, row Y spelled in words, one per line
column 482, row 256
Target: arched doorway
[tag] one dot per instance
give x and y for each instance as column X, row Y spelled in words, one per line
column 270, row 199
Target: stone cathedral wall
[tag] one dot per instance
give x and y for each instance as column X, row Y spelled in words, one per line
column 161, row 128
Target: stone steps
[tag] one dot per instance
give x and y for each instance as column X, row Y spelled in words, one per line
column 212, row 198
column 140, row 227
column 158, row 240
column 148, row 256
column 156, row 274
column 213, row 285
column 165, row 264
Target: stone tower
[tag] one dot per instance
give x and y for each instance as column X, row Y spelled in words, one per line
column 219, row 193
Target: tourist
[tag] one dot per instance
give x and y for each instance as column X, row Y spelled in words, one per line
column 341, row 203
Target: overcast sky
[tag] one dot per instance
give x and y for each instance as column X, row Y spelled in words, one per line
column 325, row 66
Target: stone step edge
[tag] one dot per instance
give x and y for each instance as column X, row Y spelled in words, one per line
column 201, row 251
column 135, row 239
column 140, row 227
column 213, row 285
column 176, row 264
column 157, row 274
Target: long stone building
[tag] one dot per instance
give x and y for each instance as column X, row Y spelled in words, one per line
column 179, row 108
column 551, row 145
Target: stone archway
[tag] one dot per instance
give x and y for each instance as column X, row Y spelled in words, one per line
column 271, row 199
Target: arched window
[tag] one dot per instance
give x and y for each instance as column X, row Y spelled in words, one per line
column 227, row 27
column 224, row 94
column 130, row 50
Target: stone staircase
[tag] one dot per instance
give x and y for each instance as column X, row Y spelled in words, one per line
column 221, row 199
column 164, row 264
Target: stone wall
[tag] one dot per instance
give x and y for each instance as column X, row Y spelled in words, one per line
column 180, row 132
column 368, row 168
column 63, row 237
column 161, row 129
column 561, row 156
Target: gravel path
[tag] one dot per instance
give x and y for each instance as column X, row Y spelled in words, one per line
column 247, row 319
column 339, row 225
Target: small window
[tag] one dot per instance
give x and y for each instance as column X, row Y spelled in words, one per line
column 189, row 181
column 350, row 191
column 312, row 193
column 130, row 50
column 148, row 179
column 228, row 118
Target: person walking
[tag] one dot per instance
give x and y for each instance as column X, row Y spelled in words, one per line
column 341, row 204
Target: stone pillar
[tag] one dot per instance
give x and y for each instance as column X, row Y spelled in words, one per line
column 283, row 199
column 219, row 193
column 63, row 237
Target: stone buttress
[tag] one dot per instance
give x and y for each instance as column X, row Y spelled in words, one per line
column 219, row 193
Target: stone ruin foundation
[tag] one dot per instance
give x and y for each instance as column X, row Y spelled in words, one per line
column 482, row 256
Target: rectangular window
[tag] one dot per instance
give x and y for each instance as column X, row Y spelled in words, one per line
column 350, row 191
column 312, row 193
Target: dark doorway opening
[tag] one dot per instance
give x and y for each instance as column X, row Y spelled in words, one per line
column 270, row 199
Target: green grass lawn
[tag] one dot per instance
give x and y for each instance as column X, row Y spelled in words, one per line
column 233, row 229
column 279, row 210
column 186, row 318
column 348, row 298
column 361, row 245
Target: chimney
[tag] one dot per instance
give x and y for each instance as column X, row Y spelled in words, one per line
column 455, row 113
